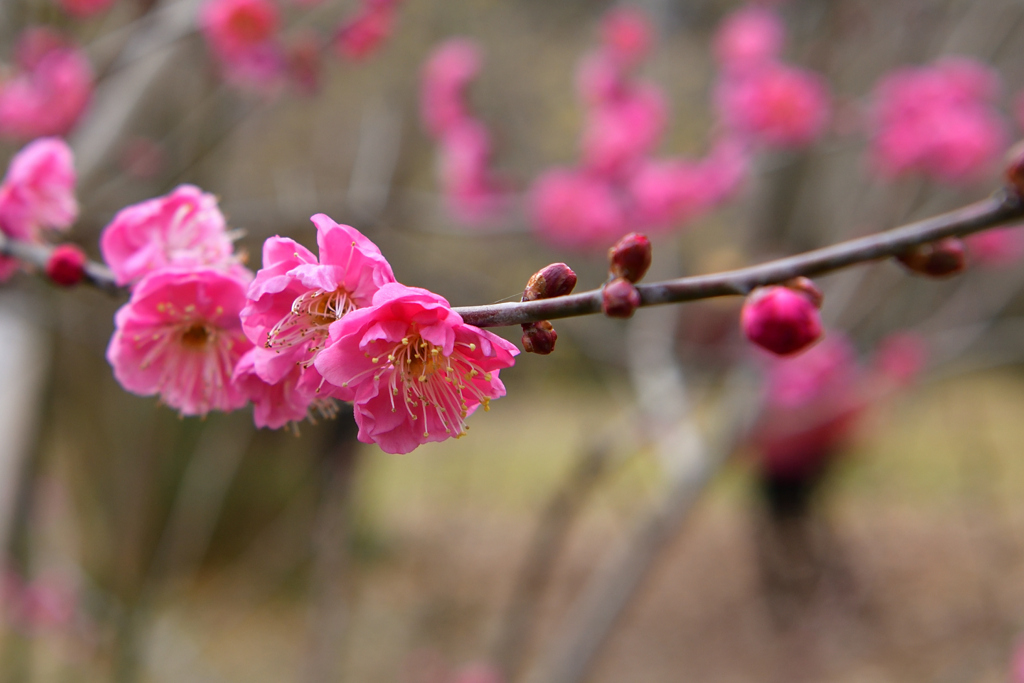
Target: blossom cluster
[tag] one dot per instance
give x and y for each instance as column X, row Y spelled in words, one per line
column 938, row 120
column 49, row 87
column 619, row 186
column 205, row 333
column 470, row 188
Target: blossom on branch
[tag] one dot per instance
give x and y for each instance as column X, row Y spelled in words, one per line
column 749, row 37
column 297, row 296
column 49, row 90
column 363, row 34
column 413, row 369
column 243, row 36
column 184, row 228
column 180, row 336
column 285, row 401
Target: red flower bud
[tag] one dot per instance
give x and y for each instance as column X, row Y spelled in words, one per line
column 1015, row 169
column 619, row 298
column 936, row 259
column 66, row 265
column 780, row 319
column 557, row 279
column 539, row 337
column 630, row 257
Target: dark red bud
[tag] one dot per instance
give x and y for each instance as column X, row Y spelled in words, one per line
column 936, row 259
column 619, row 298
column 539, row 338
column 780, row 319
column 550, row 281
column 1015, row 169
column 66, row 265
column 806, row 287
column 630, row 257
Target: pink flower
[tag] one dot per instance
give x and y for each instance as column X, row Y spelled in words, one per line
column 183, row 228
column 998, row 248
column 901, row 357
column 469, row 187
column 775, row 105
column 363, row 35
column 749, row 37
column 234, row 27
column 288, row 400
column 85, row 8
column 626, row 35
column 621, row 131
column 448, row 71
column 295, row 296
column 38, row 191
column 414, row 370
column 573, row 209
column 304, row 62
column 938, row 120
column 600, row 79
column 781, row 320
column 50, row 90
column 180, row 336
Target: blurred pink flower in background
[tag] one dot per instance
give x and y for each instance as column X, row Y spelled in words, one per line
column 45, row 603
column 748, row 38
column 183, row 228
column 626, row 35
column 243, row 36
column 620, row 131
column 414, row 370
column 180, row 336
column 448, row 71
column 900, row 358
column 363, row 34
column 305, row 62
column 82, row 9
column 478, row 673
column 470, row 189
column 574, row 209
column 999, row 248
column 49, row 90
column 38, row 191
column 938, row 120
column 775, row 105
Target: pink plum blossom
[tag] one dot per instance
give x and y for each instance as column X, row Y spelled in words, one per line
column 469, row 187
column 577, row 210
column 180, row 336
column 939, row 120
column 85, row 8
column 999, row 248
column 183, row 228
column 413, row 369
column 748, row 38
column 48, row 92
column 363, row 34
column 775, row 105
column 38, row 191
column 600, row 79
column 296, row 296
column 243, row 36
column 446, row 74
column 621, row 131
column 626, row 35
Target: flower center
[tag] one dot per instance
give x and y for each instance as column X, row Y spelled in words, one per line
column 195, row 336
column 309, row 321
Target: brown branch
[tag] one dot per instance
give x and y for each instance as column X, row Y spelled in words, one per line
column 37, row 255
column 1002, row 207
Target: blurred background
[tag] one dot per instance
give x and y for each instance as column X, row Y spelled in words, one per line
column 653, row 502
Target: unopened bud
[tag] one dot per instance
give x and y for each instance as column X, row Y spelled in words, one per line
column 619, row 298
column 557, row 279
column 66, row 265
column 780, row 319
column 806, row 286
column 1015, row 169
column 936, row 259
column 630, row 257
column 539, row 337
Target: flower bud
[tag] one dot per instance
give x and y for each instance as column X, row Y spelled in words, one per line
column 1015, row 169
column 557, row 279
column 66, row 265
column 806, row 286
column 619, row 298
column 539, row 337
column 780, row 319
column 935, row 259
column 630, row 257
